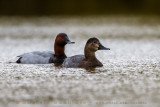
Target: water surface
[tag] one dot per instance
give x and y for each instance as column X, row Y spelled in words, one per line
column 130, row 75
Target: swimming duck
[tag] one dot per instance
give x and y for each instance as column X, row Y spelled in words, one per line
column 45, row 57
column 88, row 60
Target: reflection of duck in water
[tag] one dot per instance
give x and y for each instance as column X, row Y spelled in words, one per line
column 45, row 57
column 89, row 59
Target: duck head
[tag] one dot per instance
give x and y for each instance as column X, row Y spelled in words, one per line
column 93, row 44
column 62, row 39
column 60, row 42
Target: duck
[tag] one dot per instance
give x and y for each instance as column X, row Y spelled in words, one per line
column 88, row 60
column 46, row 57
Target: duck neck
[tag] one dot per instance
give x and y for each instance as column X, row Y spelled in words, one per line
column 90, row 55
column 59, row 50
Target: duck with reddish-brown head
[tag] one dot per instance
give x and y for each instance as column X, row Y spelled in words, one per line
column 45, row 57
column 88, row 60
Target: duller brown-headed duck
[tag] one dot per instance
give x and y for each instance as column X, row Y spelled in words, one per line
column 46, row 57
column 88, row 60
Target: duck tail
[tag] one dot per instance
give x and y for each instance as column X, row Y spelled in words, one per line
column 19, row 60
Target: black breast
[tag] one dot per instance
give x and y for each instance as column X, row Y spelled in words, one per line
column 57, row 59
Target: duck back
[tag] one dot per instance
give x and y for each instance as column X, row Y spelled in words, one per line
column 36, row 57
column 72, row 62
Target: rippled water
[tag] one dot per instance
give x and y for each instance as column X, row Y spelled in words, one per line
column 130, row 75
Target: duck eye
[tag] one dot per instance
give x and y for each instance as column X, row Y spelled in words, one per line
column 94, row 42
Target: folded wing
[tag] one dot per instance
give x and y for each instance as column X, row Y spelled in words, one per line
column 72, row 62
column 36, row 57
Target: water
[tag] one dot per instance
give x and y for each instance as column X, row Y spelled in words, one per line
column 130, row 75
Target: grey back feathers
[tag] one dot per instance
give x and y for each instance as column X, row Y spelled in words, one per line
column 72, row 62
column 36, row 57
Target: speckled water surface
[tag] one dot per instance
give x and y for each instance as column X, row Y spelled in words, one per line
column 130, row 75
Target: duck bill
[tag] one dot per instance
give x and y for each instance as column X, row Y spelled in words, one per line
column 101, row 47
column 68, row 41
